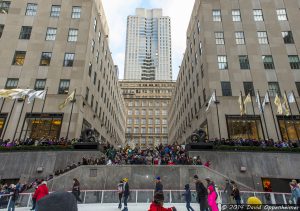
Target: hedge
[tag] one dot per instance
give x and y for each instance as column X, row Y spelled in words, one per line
column 36, row 148
column 254, row 148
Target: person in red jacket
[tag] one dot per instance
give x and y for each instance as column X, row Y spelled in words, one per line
column 158, row 203
column 40, row 192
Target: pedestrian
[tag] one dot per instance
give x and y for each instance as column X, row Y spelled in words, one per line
column 76, row 190
column 212, row 197
column 210, row 183
column 126, row 193
column 58, row 201
column 188, row 197
column 236, row 194
column 158, row 185
column 34, row 200
column 295, row 198
column 40, row 192
column 120, row 193
column 201, row 194
column 158, row 203
column 228, row 191
column 14, row 195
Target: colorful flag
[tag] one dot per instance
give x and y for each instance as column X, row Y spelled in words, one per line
column 5, row 93
column 242, row 111
column 69, row 99
column 36, row 94
column 291, row 97
column 285, row 105
column 277, row 102
column 20, row 93
column 266, row 100
column 212, row 99
column 259, row 103
column 246, row 101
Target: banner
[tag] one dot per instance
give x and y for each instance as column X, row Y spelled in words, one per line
column 70, row 98
column 212, row 99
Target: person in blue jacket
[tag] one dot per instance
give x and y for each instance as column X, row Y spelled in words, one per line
column 188, row 197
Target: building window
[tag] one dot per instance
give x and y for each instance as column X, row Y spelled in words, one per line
column 137, row 112
column 294, row 62
column 157, row 130
column 258, row 15
column 4, row 7
column 92, row 101
column 45, row 59
column 219, row 38
column 51, row 33
column 73, row 34
column 249, row 88
column 95, row 78
column 1, row 29
column 19, row 58
column 244, row 62
column 40, row 84
column 239, row 38
column 287, row 37
column 298, row 87
column 200, row 48
column 281, row 14
column 262, row 37
column 274, row 89
column 222, row 63
column 11, row 83
column 69, row 59
column 55, row 11
column 216, row 15
column 90, row 69
column 25, row 32
column 64, row 86
column 198, row 27
column 31, row 9
column 226, row 88
column 95, row 24
column 93, row 46
column 76, row 12
column 97, row 57
column 236, row 15
column 268, row 62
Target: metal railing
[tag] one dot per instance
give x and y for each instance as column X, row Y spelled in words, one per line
column 146, row 196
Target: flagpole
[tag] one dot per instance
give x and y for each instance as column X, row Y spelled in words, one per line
column 273, row 116
column 285, row 123
column 296, row 101
column 24, row 99
column 263, row 114
column 217, row 102
column 2, row 105
column 73, row 101
column 28, row 121
column 291, row 114
column 255, row 115
column 44, row 100
column 12, row 108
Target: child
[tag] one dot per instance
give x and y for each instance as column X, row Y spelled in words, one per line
column 120, row 192
column 158, row 203
column 188, row 197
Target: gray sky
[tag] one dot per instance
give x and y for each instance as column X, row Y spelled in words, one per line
column 117, row 11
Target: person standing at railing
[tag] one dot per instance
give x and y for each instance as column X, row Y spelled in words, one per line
column 120, row 193
column 76, row 190
column 201, row 194
column 158, row 185
column 188, row 197
column 40, row 193
column 236, row 194
column 295, row 193
column 126, row 193
column 228, row 191
column 14, row 195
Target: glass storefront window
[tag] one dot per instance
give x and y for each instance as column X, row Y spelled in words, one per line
column 289, row 127
column 244, row 127
column 2, row 122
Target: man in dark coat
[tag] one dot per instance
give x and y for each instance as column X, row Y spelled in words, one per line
column 201, row 194
column 125, row 193
column 58, row 201
column 158, row 185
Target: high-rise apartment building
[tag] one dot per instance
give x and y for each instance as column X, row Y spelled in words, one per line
column 148, row 46
column 236, row 48
column 59, row 46
column 147, row 104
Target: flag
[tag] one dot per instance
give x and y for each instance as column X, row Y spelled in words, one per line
column 70, row 98
column 36, row 94
column 212, row 99
column 242, row 111
column 259, row 103
column 5, row 93
column 291, row 97
column 277, row 102
column 285, row 105
column 246, row 101
column 20, row 93
column 266, row 100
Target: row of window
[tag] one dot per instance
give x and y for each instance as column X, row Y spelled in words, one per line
column 143, row 121
column 257, row 15
column 149, row 130
column 267, row 60
column 146, row 103
column 19, row 59
column 40, row 84
column 273, row 88
column 261, row 35
column 31, row 10
column 144, row 112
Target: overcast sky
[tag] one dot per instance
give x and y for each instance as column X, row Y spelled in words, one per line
column 117, row 11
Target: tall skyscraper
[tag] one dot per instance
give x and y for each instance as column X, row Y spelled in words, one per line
column 148, row 46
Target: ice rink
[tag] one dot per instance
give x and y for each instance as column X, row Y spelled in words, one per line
column 114, row 207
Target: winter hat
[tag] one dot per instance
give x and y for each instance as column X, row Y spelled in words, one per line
column 254, row 201
column 44, row 183
column 207, row 178
column 158, row 178
column 125, row 179
column 59, row 201
column 196, row 177
column 211, row 188
column 187, row 186
column 159, row 197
